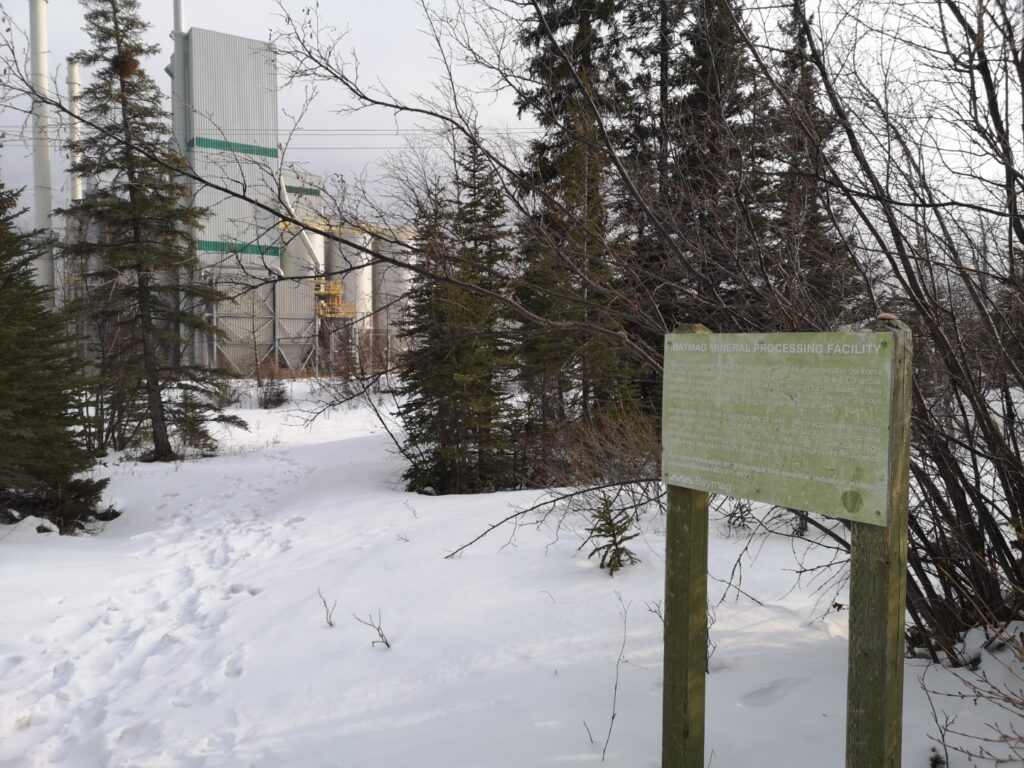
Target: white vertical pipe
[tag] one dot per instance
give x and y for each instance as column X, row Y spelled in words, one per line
column 292, row 266
column 42, row 192
column 179, row 89
column 75, row 133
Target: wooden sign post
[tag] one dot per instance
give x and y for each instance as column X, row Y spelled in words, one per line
column 818, row 422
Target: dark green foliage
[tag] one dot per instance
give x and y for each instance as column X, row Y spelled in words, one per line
column 40, row 453
column 193, row 405
column 814, row 269
column 456, row 370
column 610, row 531
column 721, row 179
column 572, row 267
column 271, row 393
column 130, row 254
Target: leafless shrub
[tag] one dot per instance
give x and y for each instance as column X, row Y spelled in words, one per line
column 991, row 672
column 375, row 625
column 328, row 612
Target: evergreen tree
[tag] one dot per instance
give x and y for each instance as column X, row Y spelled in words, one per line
column 819, row 279
column 723, row 191
column 735, row 174
column 135, row 256
column 41, row 456
column 569, row 272
column 459, row 423
column 645, row 129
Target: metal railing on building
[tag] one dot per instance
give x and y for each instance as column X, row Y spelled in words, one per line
column 330, row 301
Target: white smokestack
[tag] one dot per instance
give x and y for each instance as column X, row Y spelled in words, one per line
column 74, row 97
column 42, row 191
column 179, row 90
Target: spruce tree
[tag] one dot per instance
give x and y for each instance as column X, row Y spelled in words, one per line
column 724, row 152
column 645, row 128
column 135, row 258
column 41, row 454
column 569, row 258
column 819, row 279
column 456, row 371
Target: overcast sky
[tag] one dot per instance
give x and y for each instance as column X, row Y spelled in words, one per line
column 386, row 34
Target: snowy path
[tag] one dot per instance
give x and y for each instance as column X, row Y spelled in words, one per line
column 190, row 632
column 159, row 618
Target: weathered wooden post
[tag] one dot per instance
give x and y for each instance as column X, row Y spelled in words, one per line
column 878, row 596
column 686, row 621
column 818, row 422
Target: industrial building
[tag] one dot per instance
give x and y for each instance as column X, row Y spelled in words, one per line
column 297, row 300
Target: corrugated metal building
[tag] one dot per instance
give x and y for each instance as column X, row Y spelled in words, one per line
column 231, row 142
column 279, row 312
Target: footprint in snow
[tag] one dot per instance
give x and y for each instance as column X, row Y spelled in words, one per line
column 136, row 733
column 233, row 666
column 62, row 673
column 237, row 589
column 770, row 693
column 9, row 664
column 219, row 556
column 92, row 716
column 192, row 695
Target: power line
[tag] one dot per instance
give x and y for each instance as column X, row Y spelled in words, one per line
column 336, row 131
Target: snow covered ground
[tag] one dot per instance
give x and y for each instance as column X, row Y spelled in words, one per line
column 190, row 631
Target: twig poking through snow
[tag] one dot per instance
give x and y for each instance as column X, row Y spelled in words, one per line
column 382, row 639
column 328, row 612
column 618, row 668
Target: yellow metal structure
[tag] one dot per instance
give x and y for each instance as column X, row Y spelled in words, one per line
column 329, row 302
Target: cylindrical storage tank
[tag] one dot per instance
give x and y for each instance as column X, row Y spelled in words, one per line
column 391, row 281
column 296, row 259
column 353, row 267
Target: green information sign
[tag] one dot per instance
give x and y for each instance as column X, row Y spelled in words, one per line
column 813, row 421
column 800, row 420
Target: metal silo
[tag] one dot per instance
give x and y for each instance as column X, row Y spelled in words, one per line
column 391, row 284
column 301, row 196
column 348, row 264
column 353, row 267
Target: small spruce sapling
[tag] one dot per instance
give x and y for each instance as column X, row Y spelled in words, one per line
column 271, row 392
column 609, row 532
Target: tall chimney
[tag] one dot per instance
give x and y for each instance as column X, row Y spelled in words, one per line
column 75, row 133
column 42, row 192
column 179, row 89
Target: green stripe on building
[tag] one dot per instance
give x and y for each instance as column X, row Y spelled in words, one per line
column 232, row 146
column 221, row 246
column 302, row 190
